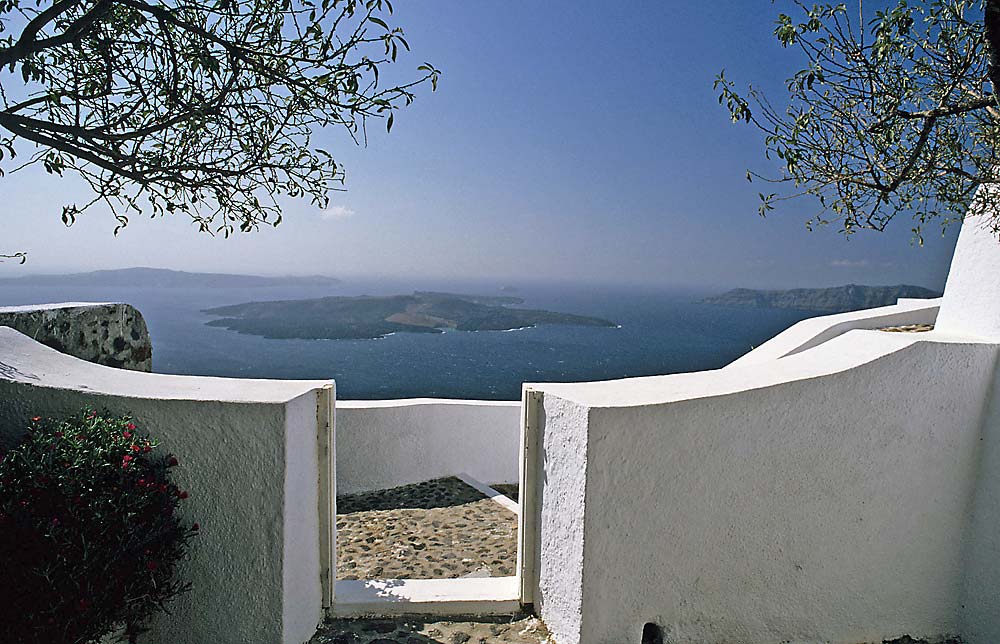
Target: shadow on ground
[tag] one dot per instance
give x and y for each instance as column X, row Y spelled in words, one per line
column 439, row 493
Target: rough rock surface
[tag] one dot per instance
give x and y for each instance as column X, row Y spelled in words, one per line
column 114, row 335
column 433, row 630
column 909, row 328
column 440, row 529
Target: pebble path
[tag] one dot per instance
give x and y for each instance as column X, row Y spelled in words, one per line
column 440, row 529
column 433, row 630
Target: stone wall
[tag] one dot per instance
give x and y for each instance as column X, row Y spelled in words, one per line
column 114, row 335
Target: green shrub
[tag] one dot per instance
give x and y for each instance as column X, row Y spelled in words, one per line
column 89, row 534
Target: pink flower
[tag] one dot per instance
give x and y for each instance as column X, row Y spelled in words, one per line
column 131, row 427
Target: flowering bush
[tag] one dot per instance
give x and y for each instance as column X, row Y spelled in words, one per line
column 89, row 535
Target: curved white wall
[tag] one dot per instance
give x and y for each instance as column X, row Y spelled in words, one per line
column 823, row 497
column 248, row 454
column 387, row 443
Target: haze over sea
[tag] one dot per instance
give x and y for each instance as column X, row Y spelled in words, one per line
column 662, row 331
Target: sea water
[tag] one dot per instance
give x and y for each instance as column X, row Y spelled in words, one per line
column 660, row 332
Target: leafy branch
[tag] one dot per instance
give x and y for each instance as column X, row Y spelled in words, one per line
column 204, row 107
column 895, row 114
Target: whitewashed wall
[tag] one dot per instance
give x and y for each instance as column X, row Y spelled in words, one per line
column 387, row 443
column 248, row 454
column 821, row 497
column 980, row 612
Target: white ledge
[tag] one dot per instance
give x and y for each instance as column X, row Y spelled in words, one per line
column 26, row 361
column 842, row 353
column 466, row 596
column 813, row 332
column 415, row 402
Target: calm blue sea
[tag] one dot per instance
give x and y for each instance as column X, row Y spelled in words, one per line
column 661, row 332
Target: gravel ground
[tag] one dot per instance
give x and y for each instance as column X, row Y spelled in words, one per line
column 431, row 630
column 440, row 529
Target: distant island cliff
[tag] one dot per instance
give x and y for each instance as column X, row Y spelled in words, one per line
column 837, row 299
column 367, row 317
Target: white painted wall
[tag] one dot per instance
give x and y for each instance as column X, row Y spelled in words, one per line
column 560, row 594
column 247, row 450
column 980, row 612
column 822, row 497
column 300, row 564
column 971, row 303
column 387, row 443
column 813, row 332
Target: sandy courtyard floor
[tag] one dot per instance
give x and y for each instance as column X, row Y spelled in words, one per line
column 434, row 630
column 440, row 529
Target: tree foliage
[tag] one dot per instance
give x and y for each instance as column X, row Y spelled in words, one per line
column 204, row 107
column 893, row 111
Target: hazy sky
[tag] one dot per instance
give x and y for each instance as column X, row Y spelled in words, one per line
column 568, row 140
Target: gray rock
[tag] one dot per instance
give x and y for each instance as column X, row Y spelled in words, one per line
column 114, row 335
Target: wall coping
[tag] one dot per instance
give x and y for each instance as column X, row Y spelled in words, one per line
column 25, row 360
column 843, row 353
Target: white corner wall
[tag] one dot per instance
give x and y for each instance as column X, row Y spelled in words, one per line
column 386, row 443
column 823, row 497
column 971, row 303
column 248, row 455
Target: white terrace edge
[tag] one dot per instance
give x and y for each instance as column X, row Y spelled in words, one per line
column 813, row 332
column 392, row 597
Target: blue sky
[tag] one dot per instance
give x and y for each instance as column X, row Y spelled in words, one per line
column 568, row 141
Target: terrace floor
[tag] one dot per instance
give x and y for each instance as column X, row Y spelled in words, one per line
column 440, row 529
column 434, row 630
